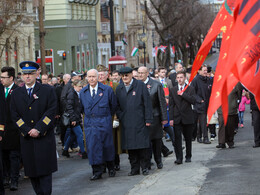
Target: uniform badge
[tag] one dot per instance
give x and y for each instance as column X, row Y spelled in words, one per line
column 100, row 94
column 46, row 120
column 35, row 96
column 20, row 122
column 133, row 92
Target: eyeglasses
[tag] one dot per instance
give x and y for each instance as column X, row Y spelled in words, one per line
column 4, row 77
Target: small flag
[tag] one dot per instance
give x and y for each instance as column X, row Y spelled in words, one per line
column 124, row 41
column 154, row 51
column 162, row 48
column 134, row 51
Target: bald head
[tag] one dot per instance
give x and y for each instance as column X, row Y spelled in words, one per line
column 178, row 67
column 66, row 78
column 143, row 73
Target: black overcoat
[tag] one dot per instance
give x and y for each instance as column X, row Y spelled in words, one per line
column 11, row 138
column 159, row 105
column 38, row 111
column 180, row 106
column 135, row 110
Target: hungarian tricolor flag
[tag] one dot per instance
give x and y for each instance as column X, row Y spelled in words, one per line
column 134, row 51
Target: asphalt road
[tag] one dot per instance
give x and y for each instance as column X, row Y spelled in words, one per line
column 212, row 171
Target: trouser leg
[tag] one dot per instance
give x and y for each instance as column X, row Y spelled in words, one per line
column 144, row 158
column 15, row 158
column 178, row 142
column 157, row 149
column 222, row 130
column 2, row 190
column 165, row 150
column 256, row 124
column 187, row 133
column 134, row 161
column 170, row 131
column 97, row 169
column 195, row 125
column 230, row 129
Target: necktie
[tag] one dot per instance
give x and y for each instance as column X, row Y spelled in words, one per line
column 6, row 92
column 181, row 88
column 29, row 91
column 93, row 93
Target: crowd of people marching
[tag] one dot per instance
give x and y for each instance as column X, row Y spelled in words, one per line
column 101, row 114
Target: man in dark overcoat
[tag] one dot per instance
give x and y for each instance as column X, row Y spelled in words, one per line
column 99, row 104
column 136, row 115
column 181, row 116
column 33, row 108
column 11, row 138
column 160, row 118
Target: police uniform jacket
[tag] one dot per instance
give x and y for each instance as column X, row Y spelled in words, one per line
column 11, row 138
column 159, row 108
column 38, row 111
column 135, row 110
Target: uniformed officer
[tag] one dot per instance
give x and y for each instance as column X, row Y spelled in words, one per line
column 33, row 110
column 103, row 78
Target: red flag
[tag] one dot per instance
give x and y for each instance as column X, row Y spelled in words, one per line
column 220, row 21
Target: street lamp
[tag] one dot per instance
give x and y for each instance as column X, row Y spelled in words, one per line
column 142, row 44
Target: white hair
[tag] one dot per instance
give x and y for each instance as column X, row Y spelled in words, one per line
column 94, row 70
column 66, row 76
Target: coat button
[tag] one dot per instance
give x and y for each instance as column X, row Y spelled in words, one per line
column 30, row 108
column 32, row 121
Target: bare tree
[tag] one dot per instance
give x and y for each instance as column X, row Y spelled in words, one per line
column 180, row 23
column 12, row 16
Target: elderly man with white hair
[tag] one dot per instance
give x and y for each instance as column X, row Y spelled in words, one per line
column 99, row 104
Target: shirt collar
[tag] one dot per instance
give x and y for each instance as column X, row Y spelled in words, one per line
column 96, row 88
column 10, row 87
column 30, row 87
column 146, row 81
column 162, row 79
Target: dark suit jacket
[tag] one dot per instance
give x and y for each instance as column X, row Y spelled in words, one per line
column 180, row 106
column 11, row 138
column 37, row 111
column 159, row 108
column 172, row 77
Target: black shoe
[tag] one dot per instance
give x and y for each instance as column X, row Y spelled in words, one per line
column 65, row 153
column 111, row 173
column 199, row 140
column 193, row 139
column 84, row 155
column 14, row 186
column 95, row 177
column 206, row 141
column 221, row 146
column 188, row 160
column 178, row 162
column 231, row 146
column 256, row 146
column 168, row 153
column 133, row 173
column 159, row 165
column 145, row 172
column 117, row 167
column 6, row 183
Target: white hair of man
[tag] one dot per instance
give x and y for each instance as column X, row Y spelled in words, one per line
column 93, row 70
column 65, row 76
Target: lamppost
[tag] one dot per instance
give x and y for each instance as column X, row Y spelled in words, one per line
column 142, row 44
column 154, row 65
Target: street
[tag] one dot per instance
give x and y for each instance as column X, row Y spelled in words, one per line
column 212, row 171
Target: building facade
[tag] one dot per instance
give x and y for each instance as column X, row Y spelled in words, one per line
column 70, row 27
column 17, row 33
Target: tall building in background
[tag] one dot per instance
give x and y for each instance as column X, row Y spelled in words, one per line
column 16, row 32
column 71, row 36
column 103, row 29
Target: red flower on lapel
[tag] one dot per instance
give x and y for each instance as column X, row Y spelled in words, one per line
column 35, row 96
column 10, row 92
column 148, row 86
column 133, row 92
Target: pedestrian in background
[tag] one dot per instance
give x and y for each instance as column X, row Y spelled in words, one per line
column 136, row 115
column 242, row 107
column 33, row 109
column 73, row 108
